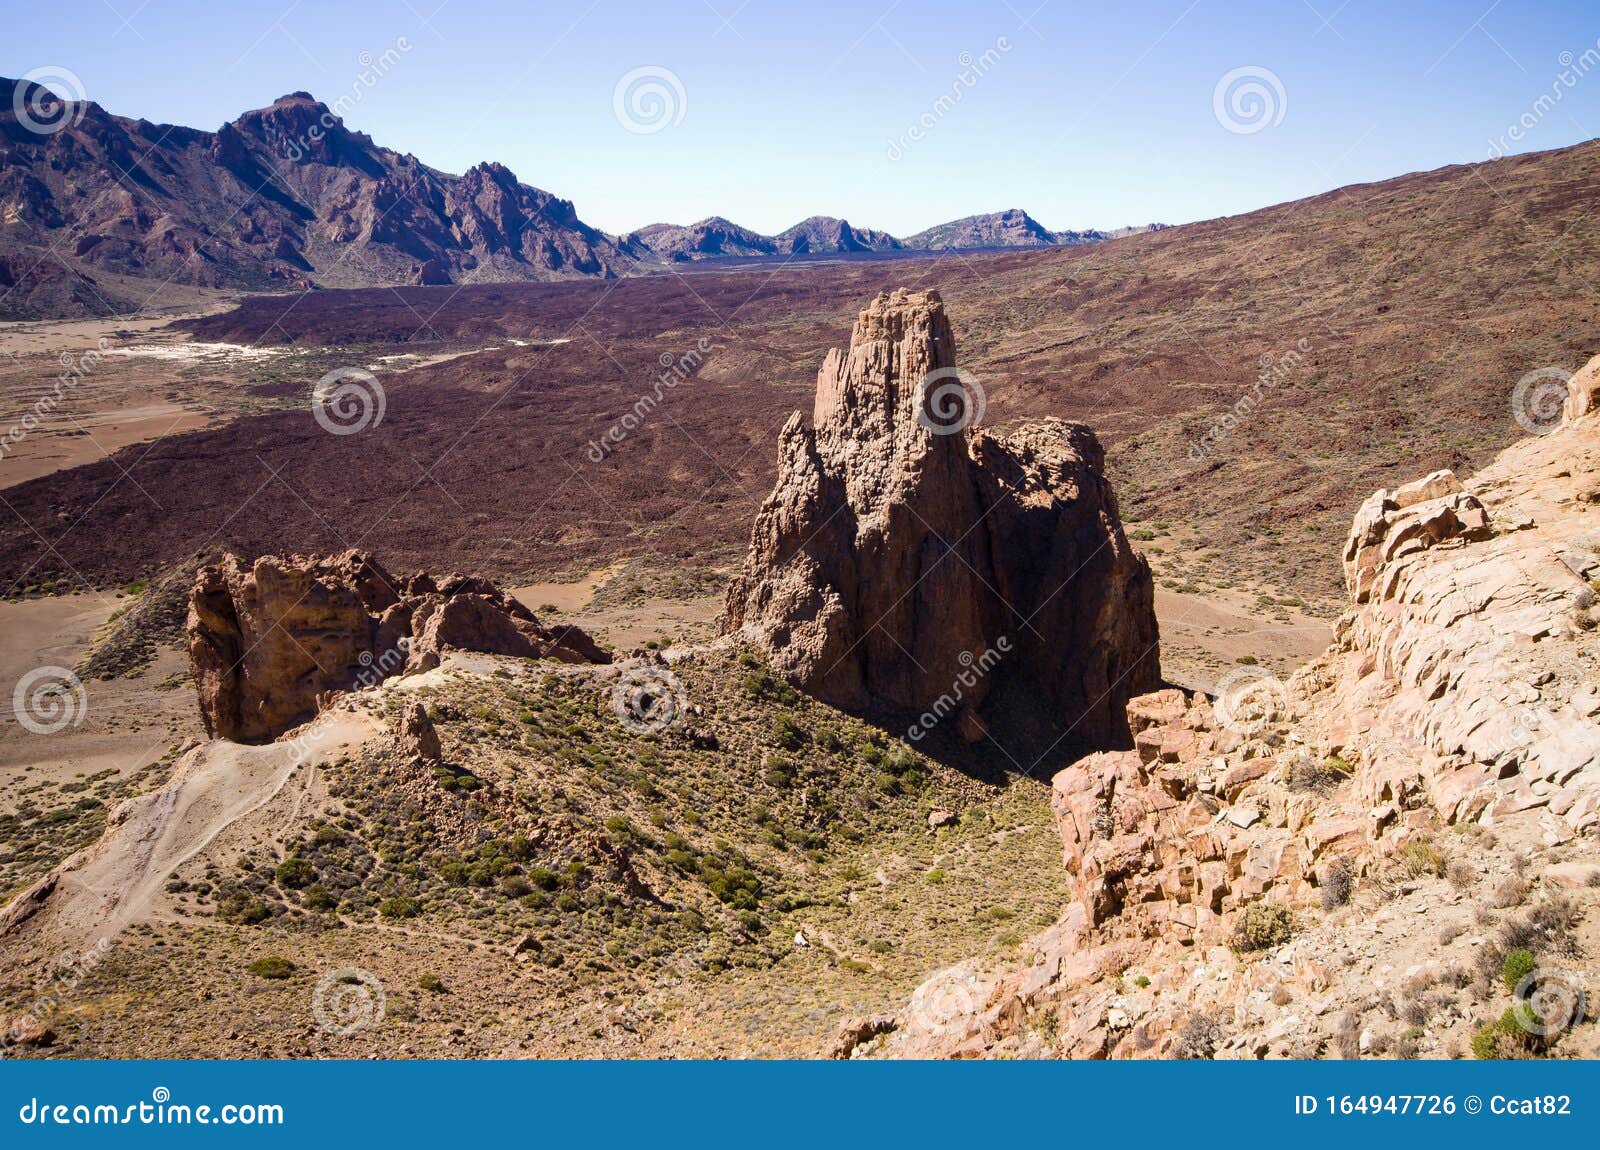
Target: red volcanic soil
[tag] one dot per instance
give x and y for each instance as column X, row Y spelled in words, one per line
column 1359, row 337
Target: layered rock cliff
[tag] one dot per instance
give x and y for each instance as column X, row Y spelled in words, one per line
column 1339, row 864
column 269, row 641
column 901, row 546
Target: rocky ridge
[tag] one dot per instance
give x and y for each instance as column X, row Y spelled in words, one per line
column 304, row 201
column 718, row 238
column 906, row 559
column 271, row 641
column 1446, row 748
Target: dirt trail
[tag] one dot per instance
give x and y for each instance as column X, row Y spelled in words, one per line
column 117, row 881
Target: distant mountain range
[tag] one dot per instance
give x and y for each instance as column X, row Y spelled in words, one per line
column 286, row 197
column 718, row 238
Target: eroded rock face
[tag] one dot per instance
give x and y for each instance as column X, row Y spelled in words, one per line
column 1583, row 392
column 269, row 641
column 898, row 548
column 1460, row 692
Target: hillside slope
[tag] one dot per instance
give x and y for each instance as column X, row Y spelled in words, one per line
column 1252, row 378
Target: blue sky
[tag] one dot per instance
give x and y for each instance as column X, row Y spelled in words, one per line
column 1085, row 114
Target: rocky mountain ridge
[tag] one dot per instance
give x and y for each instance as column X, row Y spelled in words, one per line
column 287, row 197
column 283, row 197
column 717, row 238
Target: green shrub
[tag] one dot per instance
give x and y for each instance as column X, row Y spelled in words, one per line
column 1423, row 858
column 401, row 906
column 272, row 966
column 787, row 733
column 432, row 983
column 1504, row 1038
column 544, row 878
column 1518, row 965
column 292, row 874
column 1263, row 925
column 240, row 906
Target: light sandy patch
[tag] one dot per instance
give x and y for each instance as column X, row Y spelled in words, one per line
column 87, row 437
column 625, row 628
column 1203, row 636
column 185, row 352
column 575, row 595
column 126, row 723
column 666, row 621
column 78, row 335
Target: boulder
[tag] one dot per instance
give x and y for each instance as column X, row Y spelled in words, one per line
column 270, row 641
column 416, row 734
column 1583, row 392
